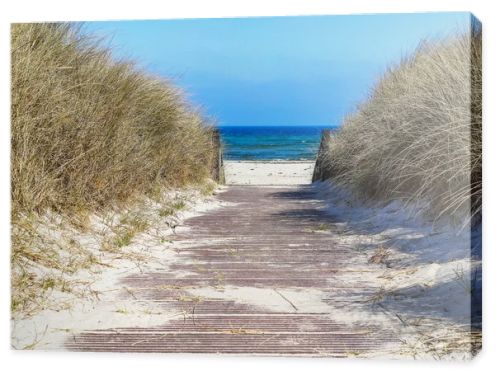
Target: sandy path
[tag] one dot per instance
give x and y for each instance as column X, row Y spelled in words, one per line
column 265, row 274
column 275, row 270
column 282, row 268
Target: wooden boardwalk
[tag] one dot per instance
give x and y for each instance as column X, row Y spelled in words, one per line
column 258, row 276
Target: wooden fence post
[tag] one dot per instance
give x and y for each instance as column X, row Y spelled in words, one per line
column 217, row 165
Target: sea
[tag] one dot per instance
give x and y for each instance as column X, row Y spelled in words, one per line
column 266, row 143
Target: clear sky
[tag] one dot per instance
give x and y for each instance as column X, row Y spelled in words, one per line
column 275, row 70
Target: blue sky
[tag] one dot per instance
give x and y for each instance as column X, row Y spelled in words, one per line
column 275, row 70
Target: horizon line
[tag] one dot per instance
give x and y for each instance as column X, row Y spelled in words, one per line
column 277, row 125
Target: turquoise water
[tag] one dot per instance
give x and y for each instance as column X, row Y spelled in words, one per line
column 271, row 142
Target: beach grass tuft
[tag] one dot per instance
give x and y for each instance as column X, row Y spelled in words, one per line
column 89, row 132
column 417, row 137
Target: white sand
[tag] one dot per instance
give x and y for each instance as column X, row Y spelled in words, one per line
column 268, row 173
column 99, row 303
column 423, row 281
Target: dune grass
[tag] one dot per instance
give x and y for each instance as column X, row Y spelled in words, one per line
column 417, row 137
column 88, row 132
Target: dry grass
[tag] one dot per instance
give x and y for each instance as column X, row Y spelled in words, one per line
column 55, row 261
column 433, row 342
column 88, row 133
column 417, row 138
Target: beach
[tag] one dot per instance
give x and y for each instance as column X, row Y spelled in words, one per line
column 312, row 204
column 268, row 172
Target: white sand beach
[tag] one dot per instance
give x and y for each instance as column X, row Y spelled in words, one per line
column 268, row 173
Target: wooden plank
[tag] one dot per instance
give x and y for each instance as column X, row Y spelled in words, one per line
column 268, row 240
